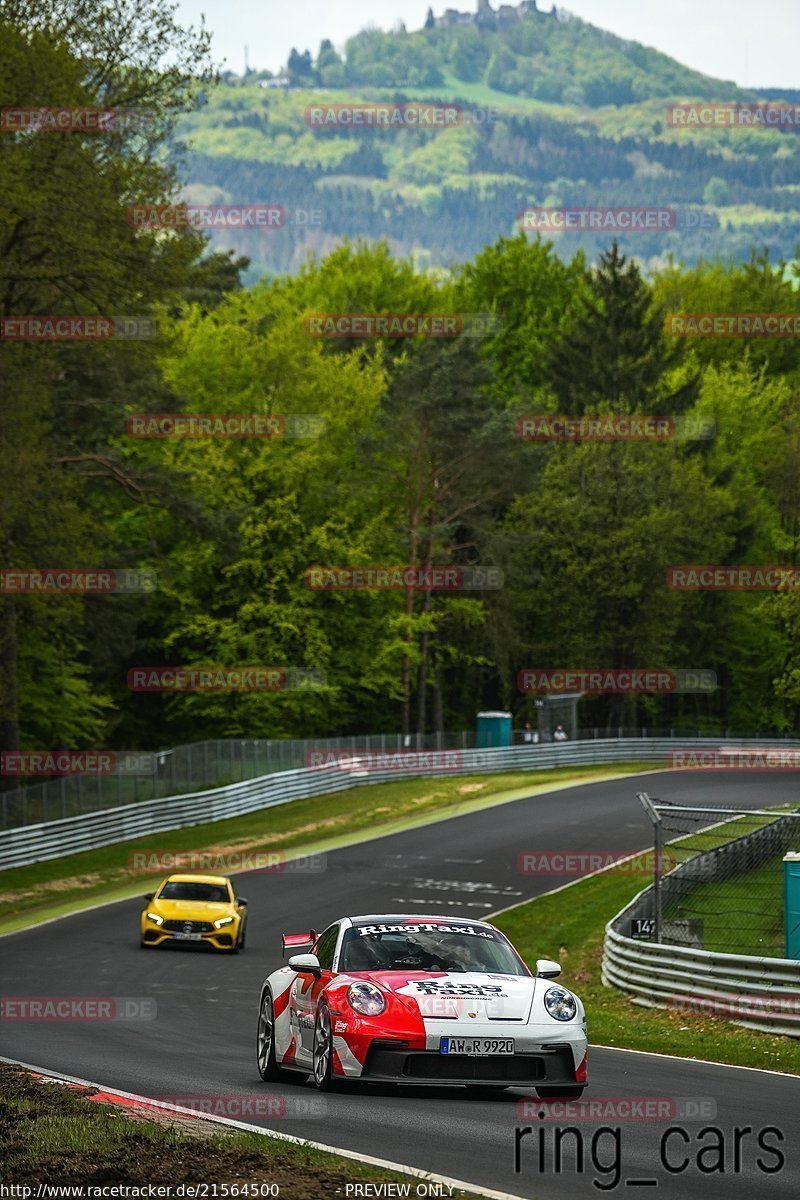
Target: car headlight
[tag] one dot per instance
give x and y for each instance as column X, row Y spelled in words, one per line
column 560, row 1004
column 366, row 998
column 220, row 921
column 155, row 917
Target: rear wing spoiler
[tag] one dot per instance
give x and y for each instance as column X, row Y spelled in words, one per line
column 295, row 941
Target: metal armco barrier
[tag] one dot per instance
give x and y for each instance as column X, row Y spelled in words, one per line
column 754, row 991
column 37, row 843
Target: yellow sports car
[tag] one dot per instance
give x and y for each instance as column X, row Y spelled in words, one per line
column 195, row 908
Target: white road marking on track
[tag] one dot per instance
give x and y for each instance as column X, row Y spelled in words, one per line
column 439, row 903
column 415, row 1172
column 462, row 885
column 705, row 1062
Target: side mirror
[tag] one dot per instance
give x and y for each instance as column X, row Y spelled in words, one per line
column 305, row 964
column 149, row 895
column 547, row 969
column 241, row 900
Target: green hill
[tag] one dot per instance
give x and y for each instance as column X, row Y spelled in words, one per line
column 557, row 112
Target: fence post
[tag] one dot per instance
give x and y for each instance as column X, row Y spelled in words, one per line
column 655, row 817
column 657, row 844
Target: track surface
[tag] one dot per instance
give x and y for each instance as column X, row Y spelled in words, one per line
column 202, row 1040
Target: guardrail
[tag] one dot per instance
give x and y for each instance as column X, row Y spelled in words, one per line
column 88, row 831
column 137, row 776
column 751, row 990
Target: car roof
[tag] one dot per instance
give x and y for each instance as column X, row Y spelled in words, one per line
column 196, row 879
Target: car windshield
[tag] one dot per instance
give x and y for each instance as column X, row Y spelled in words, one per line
column 213, row 893
column 428, row 946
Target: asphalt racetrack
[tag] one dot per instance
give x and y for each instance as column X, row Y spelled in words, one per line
column 202, row 1040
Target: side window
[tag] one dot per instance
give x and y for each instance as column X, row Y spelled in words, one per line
column 325, row 947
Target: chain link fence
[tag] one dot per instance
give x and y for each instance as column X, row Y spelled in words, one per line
column 717, row 878
column 216, row 763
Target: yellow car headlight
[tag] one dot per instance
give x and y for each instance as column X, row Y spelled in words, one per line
column 220, row 921
column 151, row 916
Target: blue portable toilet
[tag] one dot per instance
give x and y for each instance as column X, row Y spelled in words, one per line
column 791, row 903
column 494, row 729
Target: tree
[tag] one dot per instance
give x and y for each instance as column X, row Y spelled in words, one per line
column 716, row 191
column 73, row 251
column 615, row 355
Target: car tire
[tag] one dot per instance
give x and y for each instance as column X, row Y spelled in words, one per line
column 267, row 1062
column 322, row 1052
column 563, row 1092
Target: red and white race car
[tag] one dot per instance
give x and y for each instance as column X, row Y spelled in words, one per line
column 419, row 1000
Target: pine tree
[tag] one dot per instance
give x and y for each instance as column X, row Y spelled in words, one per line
column 616, row 355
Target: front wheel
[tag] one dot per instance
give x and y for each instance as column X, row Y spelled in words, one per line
column 565, row 1092
column 268, row 1067
column 322, row 1054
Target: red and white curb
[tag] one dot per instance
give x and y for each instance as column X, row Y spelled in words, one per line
column 129, row 1100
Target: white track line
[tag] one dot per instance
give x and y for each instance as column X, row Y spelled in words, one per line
column 415, row 1172
column 705, row 1062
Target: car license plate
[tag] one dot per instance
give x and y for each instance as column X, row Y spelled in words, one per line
column 452, row 1045
column 188, row 937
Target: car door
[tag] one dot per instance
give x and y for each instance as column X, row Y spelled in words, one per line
column 306, row 990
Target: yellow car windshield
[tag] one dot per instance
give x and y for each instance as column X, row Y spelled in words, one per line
column 211, row 893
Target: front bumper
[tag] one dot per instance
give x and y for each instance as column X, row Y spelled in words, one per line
column 543, row 1055
column 219, row 939
column 398, row 1063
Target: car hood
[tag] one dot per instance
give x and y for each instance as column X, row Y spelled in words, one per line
column 190, row 910
column 443, row 995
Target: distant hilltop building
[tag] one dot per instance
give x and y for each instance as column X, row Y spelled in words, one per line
column 487, row 17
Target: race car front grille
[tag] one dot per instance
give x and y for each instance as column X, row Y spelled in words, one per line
column 187, row 926
column 514, row 1068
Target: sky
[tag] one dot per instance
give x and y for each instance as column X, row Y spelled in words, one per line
column 753, row 44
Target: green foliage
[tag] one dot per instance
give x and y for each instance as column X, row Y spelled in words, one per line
column 418, row 462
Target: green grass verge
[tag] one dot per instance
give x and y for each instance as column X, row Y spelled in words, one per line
column 570, row 925
column 742, row 915
column 52, row 1134
column 63, row 885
